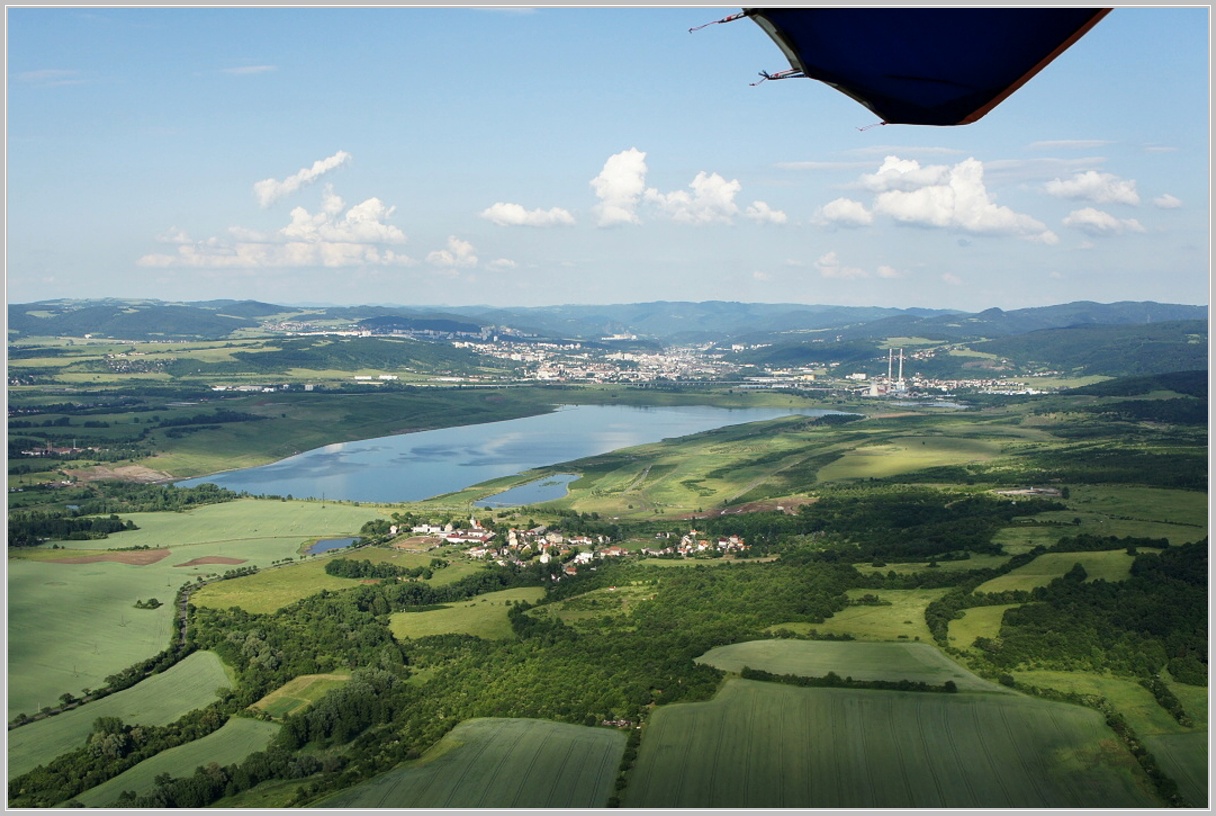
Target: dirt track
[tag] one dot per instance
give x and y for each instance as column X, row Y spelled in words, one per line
column 138, row 558
column 124, row 473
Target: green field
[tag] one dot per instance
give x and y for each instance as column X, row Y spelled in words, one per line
column 901, row 617
column 908, row 454
column 919, row 662
column 590, row 607
column 273, row 589
column 1109, row 565
column 1132, row 700
column 237, row 739
column 976, row 561
column 1129, row 510
column 500, row 763
column 978, row 621
column 158, row 700
column 56, row 647
column 768, row 745
column 1184, row 757
column 299, row 693
column 484, row 616
column 247, row 523
column 1181, row 752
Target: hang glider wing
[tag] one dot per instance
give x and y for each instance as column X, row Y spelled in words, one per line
column 923, row 66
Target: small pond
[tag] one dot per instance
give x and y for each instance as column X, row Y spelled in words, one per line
column 327, row 544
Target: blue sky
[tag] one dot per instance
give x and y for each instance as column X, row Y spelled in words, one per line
column 451, row 156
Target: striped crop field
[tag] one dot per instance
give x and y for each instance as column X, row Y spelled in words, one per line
column 919, row 662
column 158, row 700
column 516, row 763
column 237, row 739
column 769, row 745
column 1184, row 757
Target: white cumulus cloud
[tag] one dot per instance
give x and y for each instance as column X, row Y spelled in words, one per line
column 712, row 200
column 843, row 212
column 334, row 237
column 760, row 211
column 458, row 255
column 1167, row 202
column 904, row 174
column 829, row 266
column 1097, row 222
column 514, row 215
column 270, row 190
column 1091, row 185
column 364, row 223
column 950, row 198
column 619, row 187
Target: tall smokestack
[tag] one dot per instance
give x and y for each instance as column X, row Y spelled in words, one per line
column 901, row 365
column 890, row 359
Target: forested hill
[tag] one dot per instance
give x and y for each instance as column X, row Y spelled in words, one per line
column 993, row 323
column 1186, row 383
column 663, row 322
column 1153, row 348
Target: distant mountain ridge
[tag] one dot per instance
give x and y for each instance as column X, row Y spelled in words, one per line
column 670, row 322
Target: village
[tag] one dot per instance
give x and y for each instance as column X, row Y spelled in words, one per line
column 546, row 545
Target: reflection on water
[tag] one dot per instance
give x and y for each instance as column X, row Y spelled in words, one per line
column 542, row 490
column 409, row 467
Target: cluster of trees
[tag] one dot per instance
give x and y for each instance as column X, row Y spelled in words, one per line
column 1155, row 619
column 891, row 523
column 1087, row 542
column 31, row 528
column 112, row 747
column 834, row 680
column 211, row 782
column 350, row 568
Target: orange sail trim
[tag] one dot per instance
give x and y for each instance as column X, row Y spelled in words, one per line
column 979, row 113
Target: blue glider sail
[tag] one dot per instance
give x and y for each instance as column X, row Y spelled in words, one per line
column 923, row 66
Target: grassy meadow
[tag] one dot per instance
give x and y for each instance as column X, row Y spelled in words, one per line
column 978, row 621
column 55, row 646
column 1182, row 752
column 900, row 617
column 769, row 745
column 235, row 740
column 907, row 454
column 484, row 616
column 589, row 608
column 158, row 700
column 500, row 763
column 1108, row 565
column 299, row 693
column 271, row 590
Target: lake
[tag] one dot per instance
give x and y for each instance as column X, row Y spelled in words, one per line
column 414, row 466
